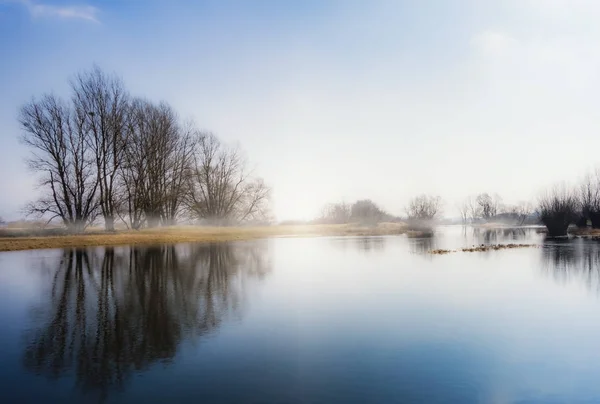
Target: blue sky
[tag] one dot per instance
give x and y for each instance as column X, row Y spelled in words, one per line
column 334, row 100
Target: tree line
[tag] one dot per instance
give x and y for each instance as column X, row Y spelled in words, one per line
column 104, row 153
column 557, row 209
column 426, row 209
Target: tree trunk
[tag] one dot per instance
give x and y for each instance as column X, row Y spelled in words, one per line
column 595, row 219
column 109, row 223
column 555, row 230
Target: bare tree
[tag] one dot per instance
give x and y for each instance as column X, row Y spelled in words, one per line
column 64, row 159
column 474, row 211
column 132, row 172
column 424, row 207
column 488, row 205
column 101, row 102
column 524, row 210
column 157, row 165
column 179, row 171
column 519, row 212
column 558, row 209
column 589, row 198
column 221, row 189
column 464, row 210
column 107, row 154
column 337, row 213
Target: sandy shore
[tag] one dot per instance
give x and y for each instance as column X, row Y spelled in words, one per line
column 188, row 234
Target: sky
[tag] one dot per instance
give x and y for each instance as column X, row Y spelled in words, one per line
column 334, row 100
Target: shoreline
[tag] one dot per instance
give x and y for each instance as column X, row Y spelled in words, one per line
column 188, row 234
column 28, row 239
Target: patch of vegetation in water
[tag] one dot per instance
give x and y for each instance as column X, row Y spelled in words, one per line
column 482, row 248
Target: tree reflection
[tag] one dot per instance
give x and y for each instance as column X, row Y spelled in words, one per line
column 422, row 245
column 370, row 243
column 573, row 260
column 111, row 312
column 361, row 243
column 499, row 235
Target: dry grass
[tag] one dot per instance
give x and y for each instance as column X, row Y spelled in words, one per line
column 585, row 232
column 419, row 233
column 481, row 248
column 441, row 251
column 189, row 234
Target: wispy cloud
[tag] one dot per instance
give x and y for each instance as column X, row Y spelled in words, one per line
column 82, row 12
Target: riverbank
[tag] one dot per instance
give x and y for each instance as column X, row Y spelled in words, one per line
column 585, row 232
column 21, row 240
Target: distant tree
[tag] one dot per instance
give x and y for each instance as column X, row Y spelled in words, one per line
column 424, row 207
column 464, row 210
column 337, row 213
column 472, row 208
column 519, row 212
column 64, row 160
column 558, row 208
column 2, row 221
column 366, row 211
column 488, row 206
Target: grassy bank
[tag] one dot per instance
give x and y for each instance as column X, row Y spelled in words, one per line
column 19, row 239
column 585, row 232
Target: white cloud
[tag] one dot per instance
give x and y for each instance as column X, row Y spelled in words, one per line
column 83, row 12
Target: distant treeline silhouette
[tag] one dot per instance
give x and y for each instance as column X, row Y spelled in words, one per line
column 427, row 210
column 558, row 208
column 104, row 153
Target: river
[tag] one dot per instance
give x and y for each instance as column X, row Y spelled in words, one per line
column 305, row 320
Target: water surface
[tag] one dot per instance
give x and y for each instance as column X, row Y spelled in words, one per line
column 305, row 320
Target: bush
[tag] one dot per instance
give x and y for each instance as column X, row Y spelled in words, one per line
column 558, row 209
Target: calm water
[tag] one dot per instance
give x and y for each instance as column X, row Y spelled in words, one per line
column 304, row 320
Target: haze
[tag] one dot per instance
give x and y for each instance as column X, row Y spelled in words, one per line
column 335, row 100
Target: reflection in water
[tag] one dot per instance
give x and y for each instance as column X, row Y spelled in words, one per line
column 567, row 260
column 370, row 243
column 422, row 245
column 111, row 312
column 362, row 243
column 499, row 235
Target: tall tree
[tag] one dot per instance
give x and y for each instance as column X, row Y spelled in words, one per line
column 157, row 164
column 101, row 101
column 221, row 188
column 64, row 159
